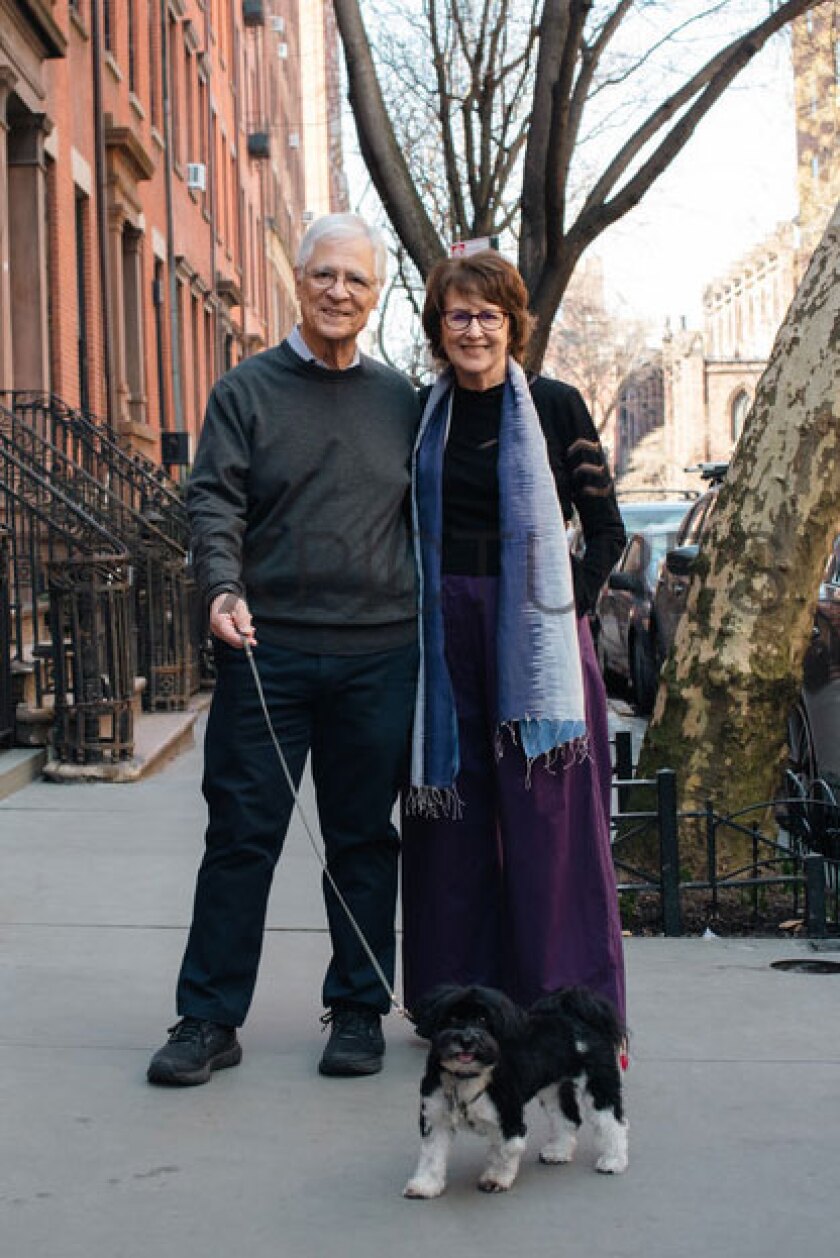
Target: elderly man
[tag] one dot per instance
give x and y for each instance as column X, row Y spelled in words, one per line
column 297, row 502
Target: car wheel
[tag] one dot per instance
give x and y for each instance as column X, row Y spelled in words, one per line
column 644, row 674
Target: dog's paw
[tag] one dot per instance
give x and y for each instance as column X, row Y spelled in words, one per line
column 492, row 1183
column 558, row 1152
column 612, row 1163
column 423, row 1189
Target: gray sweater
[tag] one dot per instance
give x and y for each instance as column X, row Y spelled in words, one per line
column 298, row 500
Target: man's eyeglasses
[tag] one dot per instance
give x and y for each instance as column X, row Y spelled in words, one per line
column 460, row 320
column 325, row 277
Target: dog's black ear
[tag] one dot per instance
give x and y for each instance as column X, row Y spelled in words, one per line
column 431, row 1010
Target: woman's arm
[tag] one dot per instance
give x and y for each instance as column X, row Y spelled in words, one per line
column 583, row 482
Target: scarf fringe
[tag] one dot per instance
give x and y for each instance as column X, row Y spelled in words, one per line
column 434, row 803
column 566, row 755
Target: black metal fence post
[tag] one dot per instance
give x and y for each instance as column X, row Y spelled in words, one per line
column 669, row 856
column 623, row 765
column 815, row 896
column 711, row 853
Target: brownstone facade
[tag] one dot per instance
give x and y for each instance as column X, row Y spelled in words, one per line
column 152, row 196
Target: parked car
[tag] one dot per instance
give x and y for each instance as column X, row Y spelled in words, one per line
column 621, row 621
column 675, row 577
column 814, row 722
column 640, row 509
column 813, row 725
column 638, row 513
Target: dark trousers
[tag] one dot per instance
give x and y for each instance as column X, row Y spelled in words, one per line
column 353, row 713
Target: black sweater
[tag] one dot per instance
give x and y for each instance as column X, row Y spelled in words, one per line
column 471, row 489
column 298, row 500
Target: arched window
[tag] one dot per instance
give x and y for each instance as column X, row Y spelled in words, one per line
column 738, row 413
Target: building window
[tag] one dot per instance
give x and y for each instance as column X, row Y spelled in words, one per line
column 738, row 413
column 160, row 339
column 189, row 103
column 132, row 46
column 83, row 348
column 107, row 25
column 174, row 100
column 154, row 73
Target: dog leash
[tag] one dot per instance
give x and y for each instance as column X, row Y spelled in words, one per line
column 398, row 1006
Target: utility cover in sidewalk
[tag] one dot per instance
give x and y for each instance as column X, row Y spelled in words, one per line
column 807, row 965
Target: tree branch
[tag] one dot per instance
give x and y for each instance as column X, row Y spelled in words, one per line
column 381, row 152
column 553, row 25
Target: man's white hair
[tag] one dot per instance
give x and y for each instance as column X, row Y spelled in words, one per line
column 346, row 225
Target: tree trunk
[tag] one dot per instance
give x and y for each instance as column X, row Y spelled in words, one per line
column 719, row 719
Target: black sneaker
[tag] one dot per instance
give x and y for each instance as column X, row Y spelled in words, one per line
column 356, row 1045
column 193, row 1050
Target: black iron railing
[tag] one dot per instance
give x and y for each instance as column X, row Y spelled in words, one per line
column 92, row 443
column 141, row 505
column 72, row 578
column 7, row 711
column 803, row 860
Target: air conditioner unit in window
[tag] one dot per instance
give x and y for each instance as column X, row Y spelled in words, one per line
column 197, row 176
column 294, row 140
column 278, row 25
column 308, row 216
column 283, row 51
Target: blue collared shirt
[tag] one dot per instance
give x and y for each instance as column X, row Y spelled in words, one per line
column 296, row 342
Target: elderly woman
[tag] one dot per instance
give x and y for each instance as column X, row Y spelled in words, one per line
column 507, row 873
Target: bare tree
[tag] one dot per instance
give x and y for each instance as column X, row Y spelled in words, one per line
column 593, row 348
column 498, row 98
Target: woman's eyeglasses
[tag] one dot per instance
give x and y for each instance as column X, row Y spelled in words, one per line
column 460, row 320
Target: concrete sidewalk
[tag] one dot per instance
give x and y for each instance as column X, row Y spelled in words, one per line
column 733, row 1092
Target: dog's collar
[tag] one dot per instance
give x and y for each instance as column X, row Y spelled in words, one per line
column 458, row 1102
column 464, row 1106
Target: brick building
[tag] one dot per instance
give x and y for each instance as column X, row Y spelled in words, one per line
column 156, row 161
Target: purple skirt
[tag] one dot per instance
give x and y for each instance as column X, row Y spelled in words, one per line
column 520, row 892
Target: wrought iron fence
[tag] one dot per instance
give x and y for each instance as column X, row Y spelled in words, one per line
column 804, row 860
column 72, row 576
column 7, row 711
column 141, row 505
column 92, row 443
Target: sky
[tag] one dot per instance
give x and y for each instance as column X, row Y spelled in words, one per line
column 733, row 183
column 726, row 192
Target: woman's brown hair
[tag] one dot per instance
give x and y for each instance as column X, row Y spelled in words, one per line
column 490, row 277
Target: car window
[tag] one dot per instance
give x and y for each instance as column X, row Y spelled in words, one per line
column 694, row 525
column 638, row 516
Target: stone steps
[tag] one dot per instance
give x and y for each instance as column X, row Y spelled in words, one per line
column 158, row 736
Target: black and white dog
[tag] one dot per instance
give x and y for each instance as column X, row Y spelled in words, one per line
column 488, row 1058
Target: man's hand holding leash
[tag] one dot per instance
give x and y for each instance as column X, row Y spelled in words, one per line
column 230, row 620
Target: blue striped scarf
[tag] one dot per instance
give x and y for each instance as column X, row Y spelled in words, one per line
column 540, row 683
